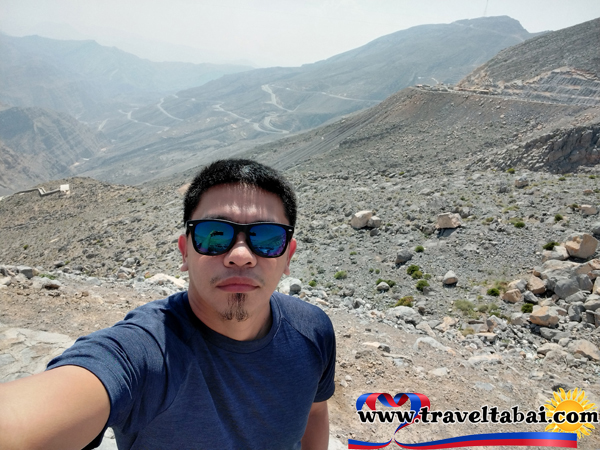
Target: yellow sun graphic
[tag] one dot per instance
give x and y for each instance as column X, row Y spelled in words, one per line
column 570, row 412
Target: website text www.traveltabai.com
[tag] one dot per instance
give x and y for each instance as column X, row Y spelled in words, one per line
column 485, row 414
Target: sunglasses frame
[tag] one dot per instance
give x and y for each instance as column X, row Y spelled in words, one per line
column 190, row 226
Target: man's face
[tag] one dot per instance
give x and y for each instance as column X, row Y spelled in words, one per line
column 238, row 284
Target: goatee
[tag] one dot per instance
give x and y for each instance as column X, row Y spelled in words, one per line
column 235, row 310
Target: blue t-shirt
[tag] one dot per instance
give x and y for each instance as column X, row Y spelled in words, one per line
column 174, row 383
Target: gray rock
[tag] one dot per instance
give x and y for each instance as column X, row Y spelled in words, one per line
column 576, row 297
column 576, row 311
column 405, row 313
column 592, row 303
column 432, row 343
column 403, row 256
column 585, row 284
column 529, row 297
column 27, row 271
column 521, row 182
column 565, row 287
column 450, row 278
column 596, row 229
column 383, row 287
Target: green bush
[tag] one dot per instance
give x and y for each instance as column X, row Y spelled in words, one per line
column 519, row 224
column 592, row 177
column 427, row 276
column 412, row 268
column 422, row 284
column 467, row 331
column 352, row 253
column 377, row 271
column 558, row 217
column 371, row 270
column 550, row 245
column 405, row 301
column 312, row 283
column 26, row 246
column 527, row 308
column 417, row 275
column 464, row 306
column 48, row 275
column 342, row 274
column 562, row 178
column 419, row 249
column 511, row 170
column 494, row 292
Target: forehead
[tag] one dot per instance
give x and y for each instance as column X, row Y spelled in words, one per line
column 240, row 203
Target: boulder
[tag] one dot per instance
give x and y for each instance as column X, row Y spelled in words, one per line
column 588, row 268
column 374, row 222
column 29, row 272
column 585, row 284
column 360, row 219
column 548, row 346
column 592, row 303
column 536, row 285
column 585, row 348
column 496, row 323
column 581, row 245
column 512, row 296
column 448, row 220
column 518, row 318
column 290, row 285
column 447, row 323
column 576, row 312
column 559, row 253
column 521, row 182
column 450, row 278
column 544, row 316
column 563, row 287
column 521, row 285
column 596, row 229
column 588, row 210
column 403, row 256
column 404, row 313
column 383, row 287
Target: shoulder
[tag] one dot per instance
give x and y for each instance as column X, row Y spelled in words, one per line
column 307, row 319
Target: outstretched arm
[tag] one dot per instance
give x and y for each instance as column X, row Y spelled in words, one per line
column 63, row 408
column 316, row 435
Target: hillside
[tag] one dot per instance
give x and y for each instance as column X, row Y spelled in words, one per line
column 239, row 111
column 87, row 80
column 40, row 144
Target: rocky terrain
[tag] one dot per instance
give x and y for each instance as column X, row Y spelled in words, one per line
column 105, row 249
column 450, row 233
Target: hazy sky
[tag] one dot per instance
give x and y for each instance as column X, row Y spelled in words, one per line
column 264, row 32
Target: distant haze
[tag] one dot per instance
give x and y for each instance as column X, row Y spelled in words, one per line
column 263, row 32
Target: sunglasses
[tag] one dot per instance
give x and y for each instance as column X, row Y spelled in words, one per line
column 214, row 237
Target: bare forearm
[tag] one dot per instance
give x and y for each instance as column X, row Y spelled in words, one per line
column 60, row 409
column 316, row 435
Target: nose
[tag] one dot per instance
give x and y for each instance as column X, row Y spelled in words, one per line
column 240, row 254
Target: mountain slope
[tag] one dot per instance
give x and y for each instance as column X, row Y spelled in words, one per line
column 240, row 110
column 38, row 144
column 78, row 77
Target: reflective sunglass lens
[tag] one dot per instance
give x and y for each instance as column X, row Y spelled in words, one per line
column 268, row 240
column 213, row 238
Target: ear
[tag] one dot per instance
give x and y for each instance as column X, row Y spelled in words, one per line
column 182, row 244
column 292, row 249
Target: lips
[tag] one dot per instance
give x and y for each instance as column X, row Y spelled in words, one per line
column 237, row 284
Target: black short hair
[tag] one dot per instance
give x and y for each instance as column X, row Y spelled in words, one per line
column 242, row 171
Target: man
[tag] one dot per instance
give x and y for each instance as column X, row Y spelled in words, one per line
column 230, row 364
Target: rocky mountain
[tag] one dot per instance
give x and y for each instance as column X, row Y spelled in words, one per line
column 451, row 234
column 239, row 111
column 87, row 80
column 40, row 144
